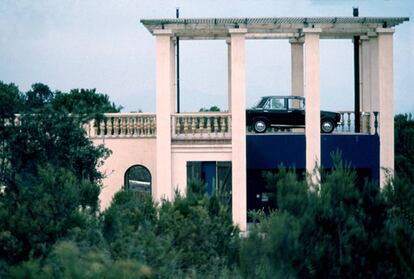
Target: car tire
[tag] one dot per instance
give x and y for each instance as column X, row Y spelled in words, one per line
column 260, row 126
column 327, row 126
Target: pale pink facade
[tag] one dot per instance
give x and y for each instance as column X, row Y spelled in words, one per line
column 165, row 141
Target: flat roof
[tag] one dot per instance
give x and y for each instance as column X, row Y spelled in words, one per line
column 271, row 27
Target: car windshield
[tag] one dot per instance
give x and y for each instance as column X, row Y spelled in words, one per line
column 261, row 103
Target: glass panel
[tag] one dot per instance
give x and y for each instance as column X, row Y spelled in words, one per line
column 260, row 103
column 138, row 178
column 296, row 104
column 277, row 103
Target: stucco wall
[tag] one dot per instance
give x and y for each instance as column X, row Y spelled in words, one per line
column 125, row 153
column 181, row 154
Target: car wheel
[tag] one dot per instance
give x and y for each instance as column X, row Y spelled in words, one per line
column 260, row 126
column 327, row 126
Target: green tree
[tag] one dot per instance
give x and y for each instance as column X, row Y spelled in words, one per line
column 404, row 146
column 38, row 97
column 192, row 235
column 49, row 177
column 338, row 230
column 213, row 108
column 83, row 101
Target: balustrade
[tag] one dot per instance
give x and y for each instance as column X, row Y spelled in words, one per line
column 123, row 125
column 205, row 125
column 368, row 122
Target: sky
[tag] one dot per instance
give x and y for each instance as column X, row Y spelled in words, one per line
column 102, row 44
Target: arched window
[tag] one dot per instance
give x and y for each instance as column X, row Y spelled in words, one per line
column 138, row 178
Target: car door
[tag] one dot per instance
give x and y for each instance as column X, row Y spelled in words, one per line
column 276, row 109
column 296, row 112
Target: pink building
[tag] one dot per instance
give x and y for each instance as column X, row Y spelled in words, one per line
column 169, row 146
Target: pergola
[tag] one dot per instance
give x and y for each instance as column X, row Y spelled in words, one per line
column 272, row 27
column 373, row 59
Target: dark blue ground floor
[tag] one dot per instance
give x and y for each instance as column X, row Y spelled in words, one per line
column 269, row 152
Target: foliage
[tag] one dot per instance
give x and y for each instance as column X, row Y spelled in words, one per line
column 333, row 231
column 191, row 235
column 404, row 146
column 50, row 226
column 213, row 108
column 84, row 101
column 67, row 261
column 49, row 177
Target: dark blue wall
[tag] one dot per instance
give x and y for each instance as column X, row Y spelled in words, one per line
column 361, row 151
column 267, row 152
column 270, row 151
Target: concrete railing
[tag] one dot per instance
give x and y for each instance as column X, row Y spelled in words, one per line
column 136, row 125
column 367, row 122
column 201, row 126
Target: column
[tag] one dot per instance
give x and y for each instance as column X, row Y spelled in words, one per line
column 165, row 103
column 312, row 107
column 373, row 49
column 238, row 126
column 365, row 87
column 386, row 102
column 228, row 42
column 296, row 46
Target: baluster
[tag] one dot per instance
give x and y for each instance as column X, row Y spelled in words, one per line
column 375, row 122
column 193, row 124
column 177, row 125
column 109, row 126
column 229, row 127
column 208, row 125
column 139, row 126
column 96, row 127
column 124, row 126
column 142, row 125
column 92, row 128
column 349, row 121
column 130, row 126
column 115, row 127
column 203, row 123
column 215, row 125
column 185, row 126
column 102, row 128
column 135, row 127
column 223, row 125
column 154, row 125
column 146, row 127
column 149, row 126
column 368, row 123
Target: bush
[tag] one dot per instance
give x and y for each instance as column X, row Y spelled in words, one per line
column 190, row 235
column 335, row 231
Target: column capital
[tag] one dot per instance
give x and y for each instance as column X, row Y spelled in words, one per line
column 296, row 40
column 312, row 30
column 388, row 31
column 364, row 38
column 235, row 31
column 163, row 32
column 372, row 34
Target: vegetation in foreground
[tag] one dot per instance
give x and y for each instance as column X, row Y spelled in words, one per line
column 50, row 226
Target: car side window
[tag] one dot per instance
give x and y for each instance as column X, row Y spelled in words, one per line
column 276, row 103
column 296, row 104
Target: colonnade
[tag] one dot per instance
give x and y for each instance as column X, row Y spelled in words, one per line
column 376, row 68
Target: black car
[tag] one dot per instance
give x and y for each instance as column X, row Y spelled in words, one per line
column 286, row 112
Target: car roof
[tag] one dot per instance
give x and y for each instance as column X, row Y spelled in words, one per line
column 284, row 97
